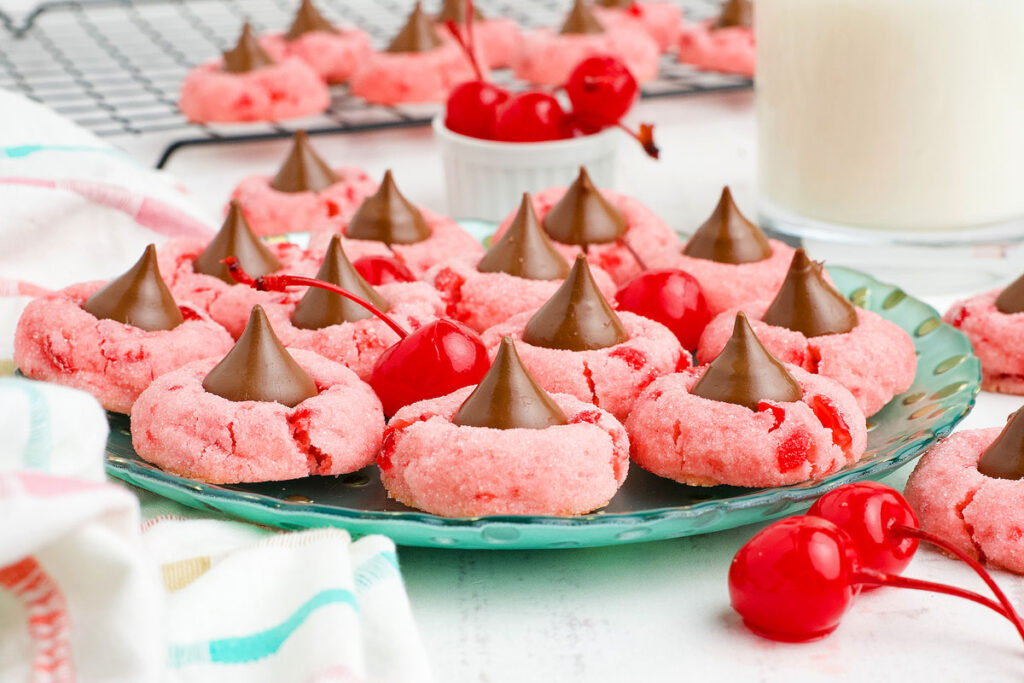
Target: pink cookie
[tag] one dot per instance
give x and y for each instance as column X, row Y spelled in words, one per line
column 980, row 515
column 729, row 49
column 334, row 56
column 998, row 340
column 396, row 77
column 547, row 58
column 498, row 40
column 482, row 300
column 647, row 234
column 284, row 90
column 447, row 241
column 358, row 345
column 875, row 360
column 184, row 429
column 454, row 471
column 661, row 20
column 58, row 341
column 610, row 378
column 697, row 441
column 271, row 212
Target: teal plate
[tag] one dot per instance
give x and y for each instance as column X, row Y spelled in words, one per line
column 647, row 508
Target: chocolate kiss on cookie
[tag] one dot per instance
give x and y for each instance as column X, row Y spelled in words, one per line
column 259, row 368
column 583, row 216
column 807, row 303
column 728, row 237
column 418, row 34
column 247, row 55
column 736, row 13
column 388, row 217
column 508, row 397
column 1004, row 458
column 237, row 239
column 303, row 169
column 320, row 308
column 745, row 373
column 525, row 250
column 616, row 4
column 1011, row 299
column 455, row 10
column 576, row 317
column 138, row 298
column 581, row 20
column 308, row 20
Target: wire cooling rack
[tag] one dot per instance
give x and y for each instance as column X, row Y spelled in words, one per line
column 115, row 66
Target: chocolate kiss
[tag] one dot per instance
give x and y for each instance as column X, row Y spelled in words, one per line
column 307, row 20
column 455, row 10
column 581, row 20
column 576, row 317
column 247, row 55
column 728, row 237
column 237, row 239
column 1004, row 458
column 736, row 13
column 303, row 170
column 320, row 308
column 508, row 397
column 388, row 217
column 745, row 373
column 138, row 298
column 584, row 216
column 807, row 303
column 617, row 4
column 418, row 34
column 525, row 250
column 259, row 368
column 1011, row 299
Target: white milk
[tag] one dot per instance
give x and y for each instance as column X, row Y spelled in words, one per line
column 898, row 114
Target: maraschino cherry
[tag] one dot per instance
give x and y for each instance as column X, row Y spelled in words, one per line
column 532, row 117
column 602, row 90
column 383, row 270
column 671, row 297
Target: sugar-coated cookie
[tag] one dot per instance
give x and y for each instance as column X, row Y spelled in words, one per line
column 994, row 322
column 661, row 20
column 333, row 53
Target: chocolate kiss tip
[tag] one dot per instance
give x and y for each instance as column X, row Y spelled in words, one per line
column 1011, row 299
column 736, row 13
column 259, row 368
column 508, row 397
column 417, row 35
column 583, row 216
column 808, row 304
column 576, row 317
column 525, row 250
column 139, row 297
column 235, row 238
column 303, row 169
column 247, row 55
column 727, row 236
column 388, row 217
column 581, row 20
column 455, row 10
column 1004, row 458
column 745, row 373
column 319, row 308
column 308, row 20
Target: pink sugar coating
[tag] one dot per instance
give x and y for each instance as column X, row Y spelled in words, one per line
column 729, row 50
column 661, row 20
column 732, row 285
column 610, row 378
column 271, row 212
column 997, row 338
column 482, row 300
column 358, row 345
column 393, row 78
column 982, row 516
column 701, row 442
column 453, row 471
column 182, row 428
column 333, row 56
column 876, row 360
column 548, row 58
column 58, row 341
column 284, row 90
column 447, row 241
column 649, row 236
column 497, row 40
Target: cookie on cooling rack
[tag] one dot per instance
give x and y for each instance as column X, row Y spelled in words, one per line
column 661, row 20
column 497, row 38
column 725, row 44
column 334, row 53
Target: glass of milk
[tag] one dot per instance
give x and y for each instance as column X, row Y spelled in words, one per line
column 892, row 121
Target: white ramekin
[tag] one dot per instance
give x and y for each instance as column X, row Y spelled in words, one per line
column 486, row 179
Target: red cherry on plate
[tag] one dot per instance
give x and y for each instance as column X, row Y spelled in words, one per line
column 472, row 109
column 794, row 580
column 671, row 297
column 601, row 90
column 435, row 360
column 383, row 270
column 532, row 117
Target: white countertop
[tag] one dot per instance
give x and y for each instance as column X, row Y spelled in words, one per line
column 651, row 611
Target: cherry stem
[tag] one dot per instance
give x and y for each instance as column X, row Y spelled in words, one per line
column 632, row 252
column 279, row 283
column 645, row 136
column 467, row 48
